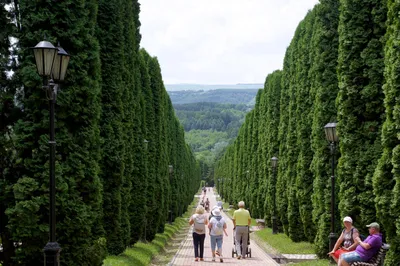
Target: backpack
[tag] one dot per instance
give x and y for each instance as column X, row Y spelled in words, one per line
column 218, row 225
column 199, row 224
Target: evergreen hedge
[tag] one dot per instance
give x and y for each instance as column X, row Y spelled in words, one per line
column 341, row 66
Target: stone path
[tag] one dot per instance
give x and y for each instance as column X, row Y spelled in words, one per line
column 185, row 254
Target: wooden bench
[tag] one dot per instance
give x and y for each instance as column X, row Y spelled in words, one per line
column 260, row 223
column 377, row 260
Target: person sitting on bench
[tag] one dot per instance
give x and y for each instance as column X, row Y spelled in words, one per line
column 366, row 249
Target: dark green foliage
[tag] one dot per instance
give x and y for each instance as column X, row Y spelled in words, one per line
column 386, row 178
column 151, row 203
column 9, row 114
column 108, row 195
column 360, row 104
column 77, row 133
column 113, row 149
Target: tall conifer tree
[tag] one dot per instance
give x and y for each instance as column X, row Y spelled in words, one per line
column 78, row 200
column 386, row 178
column 110, row 30
column 360, row 104
column 324, row 89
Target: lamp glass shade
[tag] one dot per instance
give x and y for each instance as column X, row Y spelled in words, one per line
column 60, row 64
column 330, row 132
column 274, row 162
column 44, row 53
column 171, row 169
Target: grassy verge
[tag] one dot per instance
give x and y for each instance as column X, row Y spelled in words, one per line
column 141, row 253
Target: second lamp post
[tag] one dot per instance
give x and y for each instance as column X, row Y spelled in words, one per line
column 331, row 136
column 274, row 163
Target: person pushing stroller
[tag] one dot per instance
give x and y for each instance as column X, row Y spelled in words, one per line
column 241, row 222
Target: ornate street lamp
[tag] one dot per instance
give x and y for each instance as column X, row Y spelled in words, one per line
column 51, row 63
column 274, row 164
column 171, row 171
column 331, row 136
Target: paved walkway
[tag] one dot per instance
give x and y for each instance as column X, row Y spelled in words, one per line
column 185, row 254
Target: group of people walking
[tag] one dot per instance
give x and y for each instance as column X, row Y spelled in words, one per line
column 216, row 225
column 350, row 246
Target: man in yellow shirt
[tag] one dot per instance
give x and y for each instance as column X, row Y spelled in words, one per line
column 241, row 223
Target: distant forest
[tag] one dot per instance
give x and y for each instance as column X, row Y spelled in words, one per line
column 212, row 116
column 209, row 129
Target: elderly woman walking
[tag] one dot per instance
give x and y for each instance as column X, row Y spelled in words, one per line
column 199, row 222
column 218, row 228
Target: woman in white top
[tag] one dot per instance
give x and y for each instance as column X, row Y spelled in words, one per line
column 199, row 221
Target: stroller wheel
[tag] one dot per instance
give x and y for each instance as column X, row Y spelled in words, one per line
column 250, row 252
column 233, row 253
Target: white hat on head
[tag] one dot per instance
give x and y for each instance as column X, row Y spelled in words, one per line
column 216, row 212
column 347, row 219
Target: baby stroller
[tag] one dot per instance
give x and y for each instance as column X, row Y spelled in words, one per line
column 234, row 251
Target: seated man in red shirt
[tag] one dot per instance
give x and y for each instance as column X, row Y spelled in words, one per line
column 366, row 249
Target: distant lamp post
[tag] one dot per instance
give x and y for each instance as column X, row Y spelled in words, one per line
column 51, row 63
column 171, row 171
column 274, row 164
column 221, row 180
column 331, row 136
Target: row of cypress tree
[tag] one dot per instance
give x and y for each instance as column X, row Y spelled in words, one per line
column 341, row 66
column 116, row 134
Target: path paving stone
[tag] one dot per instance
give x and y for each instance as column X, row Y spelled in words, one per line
column 185, row 254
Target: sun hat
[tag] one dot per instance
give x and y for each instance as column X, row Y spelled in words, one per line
column 217, row 212
column 374, row 225
column 347, row 219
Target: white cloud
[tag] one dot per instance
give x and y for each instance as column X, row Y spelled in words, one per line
column 219, row 41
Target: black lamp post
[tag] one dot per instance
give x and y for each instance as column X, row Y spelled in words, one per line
column 51, row 63
column 171, row 171
column 274, row 163
column 221, row 181
column 331, row 136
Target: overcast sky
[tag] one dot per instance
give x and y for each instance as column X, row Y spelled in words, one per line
column 219, row 41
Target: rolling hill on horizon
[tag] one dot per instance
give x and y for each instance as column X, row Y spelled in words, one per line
column 206, row 87
column 226, row 96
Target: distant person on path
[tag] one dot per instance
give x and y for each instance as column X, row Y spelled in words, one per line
column 347, row 238
column 366, row 249
column 220, row 205
column 199, row 222
column 207, row 205
column 217, row 226
column 241, row 222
